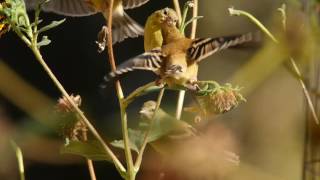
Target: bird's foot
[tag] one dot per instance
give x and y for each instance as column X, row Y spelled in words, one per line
column 160, row 83
column 192, row 85
column 102, row 39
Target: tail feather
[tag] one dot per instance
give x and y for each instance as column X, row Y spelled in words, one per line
column 125, row 27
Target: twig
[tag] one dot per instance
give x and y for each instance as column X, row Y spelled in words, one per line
column 177, row 9
column 130, row 175
column 19, row 159
column 235, row 12
column 305, row 90
column 89, row 161
column 145, row 140
column 194, row 22
column 182, row 93
column 138, row 92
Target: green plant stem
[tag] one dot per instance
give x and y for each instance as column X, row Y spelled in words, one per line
column 145, row 140
column 184, row 17
column 233, row 11
column 19, row 159
column 130, row 173
column 305, row 90
column 138, row 92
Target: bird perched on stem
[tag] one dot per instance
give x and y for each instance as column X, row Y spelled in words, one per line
column 176, row 61
column 123, row 25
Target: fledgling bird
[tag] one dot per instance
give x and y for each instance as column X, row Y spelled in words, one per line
column 176, row 61
column 165, row 124
column 123, row 25
column 152, row 29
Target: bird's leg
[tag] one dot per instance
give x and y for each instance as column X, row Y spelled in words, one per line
column 102, row 39
column 192, row 84
column 160, row 82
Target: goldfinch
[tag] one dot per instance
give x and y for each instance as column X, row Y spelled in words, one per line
column 152, row 29
column 176, row 61
column 123, row 25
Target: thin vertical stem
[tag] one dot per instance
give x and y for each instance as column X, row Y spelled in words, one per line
column 182, row 93
column 305, row 90
column 194, row 22
column 89, row 161
column 130, row 175
column 177, row 9
column 19, row 159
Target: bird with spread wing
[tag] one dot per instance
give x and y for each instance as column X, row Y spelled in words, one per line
column 176, row 61
column 123, row 25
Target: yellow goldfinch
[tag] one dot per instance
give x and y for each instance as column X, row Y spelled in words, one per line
column 123, row 25
column 176, row 62
column 152, row 29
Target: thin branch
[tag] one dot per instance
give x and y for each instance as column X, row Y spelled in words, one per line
column 19, row 159
column 194, row 22
column 177, row 9
column 235, row 12
column 124, row 121
column 89, row 161
column 182, row 93
column 145, row 140
column 305, row 90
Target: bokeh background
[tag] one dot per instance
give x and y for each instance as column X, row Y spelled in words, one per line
column 267, row 132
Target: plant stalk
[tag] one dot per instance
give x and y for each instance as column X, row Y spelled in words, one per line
column 19, row 159
column 177, row 9
column 182, row 93
column 131, row 173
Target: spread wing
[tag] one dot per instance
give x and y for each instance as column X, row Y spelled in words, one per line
column 130, row 4
column 203, row 47
column 64, row 7
column 148, row 61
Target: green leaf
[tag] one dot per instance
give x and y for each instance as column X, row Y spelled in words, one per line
column 163, row 125
column 53, row 24
column 135, row 137
column 91, row 150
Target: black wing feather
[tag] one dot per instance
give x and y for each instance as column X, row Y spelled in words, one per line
column 204, row 47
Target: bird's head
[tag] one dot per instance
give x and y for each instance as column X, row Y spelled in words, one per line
column 148, row 109
column 167, row 17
